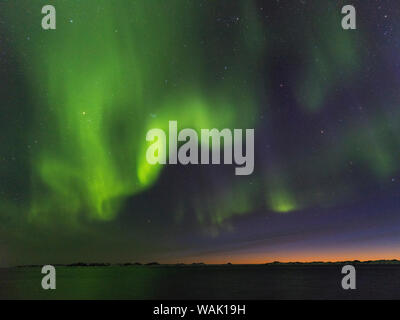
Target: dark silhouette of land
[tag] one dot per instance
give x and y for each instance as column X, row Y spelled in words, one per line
column 201, row 264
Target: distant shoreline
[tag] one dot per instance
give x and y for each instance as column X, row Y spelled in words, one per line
column 275, row 263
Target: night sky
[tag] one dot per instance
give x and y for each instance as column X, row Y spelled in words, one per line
column 76, row 104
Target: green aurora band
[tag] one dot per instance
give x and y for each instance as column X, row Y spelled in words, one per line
column 104, row 78
column 113, row 70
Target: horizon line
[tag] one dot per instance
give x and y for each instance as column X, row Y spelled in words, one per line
column 99, row 264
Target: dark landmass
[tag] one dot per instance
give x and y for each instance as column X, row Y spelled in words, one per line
column 129, row 264
column 82, row 264
column 355, row 262
column 201, row 264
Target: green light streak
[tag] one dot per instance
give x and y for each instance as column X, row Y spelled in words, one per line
column 104, row 78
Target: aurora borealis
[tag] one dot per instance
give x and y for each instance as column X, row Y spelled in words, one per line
column 77, row 102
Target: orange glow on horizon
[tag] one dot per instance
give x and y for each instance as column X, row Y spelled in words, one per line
column 312, row 256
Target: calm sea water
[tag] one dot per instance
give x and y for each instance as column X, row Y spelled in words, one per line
column 202, row 282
